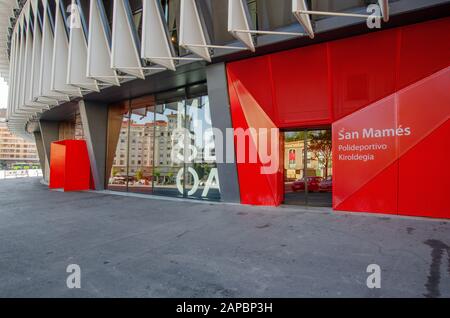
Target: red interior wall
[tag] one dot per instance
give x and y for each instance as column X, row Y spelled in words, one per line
column 321, row 84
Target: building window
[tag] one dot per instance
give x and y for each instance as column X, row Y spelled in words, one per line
column 176, row 172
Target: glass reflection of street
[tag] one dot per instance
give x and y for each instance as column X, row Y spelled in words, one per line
column 308, row 170
column 163, row 148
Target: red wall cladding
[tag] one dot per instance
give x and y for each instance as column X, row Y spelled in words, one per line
column 394, row 175
column 300, row 86
column 321, row 84
column 70, row 167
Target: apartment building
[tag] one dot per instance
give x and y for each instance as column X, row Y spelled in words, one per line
column 15, row 151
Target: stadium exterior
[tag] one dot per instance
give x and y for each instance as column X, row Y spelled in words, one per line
column 115, row 92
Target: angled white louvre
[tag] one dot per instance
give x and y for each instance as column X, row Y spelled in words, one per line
column 23, row 61
column 156, row 45
column 36, row 61
column 192, row 36
column 20, row 79
column 298, row 9
column 28, row 82
column 301, row 12
column 17, row 68
column 77, row 60
column 6, row 11
column 16, row 73
column 384, row 6
column 61, row 56
column 238, row 24
column 99, row 53
column 12, row 80
column 20, row 97
column 12, row 84
column 47, row 59
column 124, row 52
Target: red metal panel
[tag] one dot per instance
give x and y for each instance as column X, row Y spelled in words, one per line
column 78, row 168
column 300, row 82
column 362, row 70
column 70, row 166
column 356, row 81
column 255, row 75
column 57, row 165
column 424, row 175
column 361, row 155
column 424, row 106
column 255, row 188
column 424, row 50
column 406, row 178
column 378, row 195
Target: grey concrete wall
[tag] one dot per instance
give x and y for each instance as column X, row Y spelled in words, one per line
column 40, row 151
column 49, row 134
column 94, row 117
column 221, row 119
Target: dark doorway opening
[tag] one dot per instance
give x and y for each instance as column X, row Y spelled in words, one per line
column 308, row 164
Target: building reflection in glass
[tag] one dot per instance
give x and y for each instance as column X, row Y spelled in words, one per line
column 164, row 149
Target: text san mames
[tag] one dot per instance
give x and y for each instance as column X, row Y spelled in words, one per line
column 368, row 133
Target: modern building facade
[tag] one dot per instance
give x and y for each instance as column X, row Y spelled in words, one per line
column 263, row 102
column 15, row 152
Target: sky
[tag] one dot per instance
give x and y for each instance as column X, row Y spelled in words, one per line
column 3, row 93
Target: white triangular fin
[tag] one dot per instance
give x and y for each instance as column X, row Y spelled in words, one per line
column 156, row 45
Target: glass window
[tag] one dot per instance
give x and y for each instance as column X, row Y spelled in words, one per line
column 140, row 178
column 201, row 173
column 169, row 118
column 117, row 154
column 167, row 149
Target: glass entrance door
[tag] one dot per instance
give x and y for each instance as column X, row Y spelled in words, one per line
column 308, row 168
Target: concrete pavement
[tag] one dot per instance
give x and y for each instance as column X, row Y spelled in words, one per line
column 135, row 247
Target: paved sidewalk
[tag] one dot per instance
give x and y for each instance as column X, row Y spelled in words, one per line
column 135, row 247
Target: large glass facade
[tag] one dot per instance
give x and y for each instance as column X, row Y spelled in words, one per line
column 117, row 147
column 201, row 173
column 163, row 147
column 141, row 149
column 169, row 162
